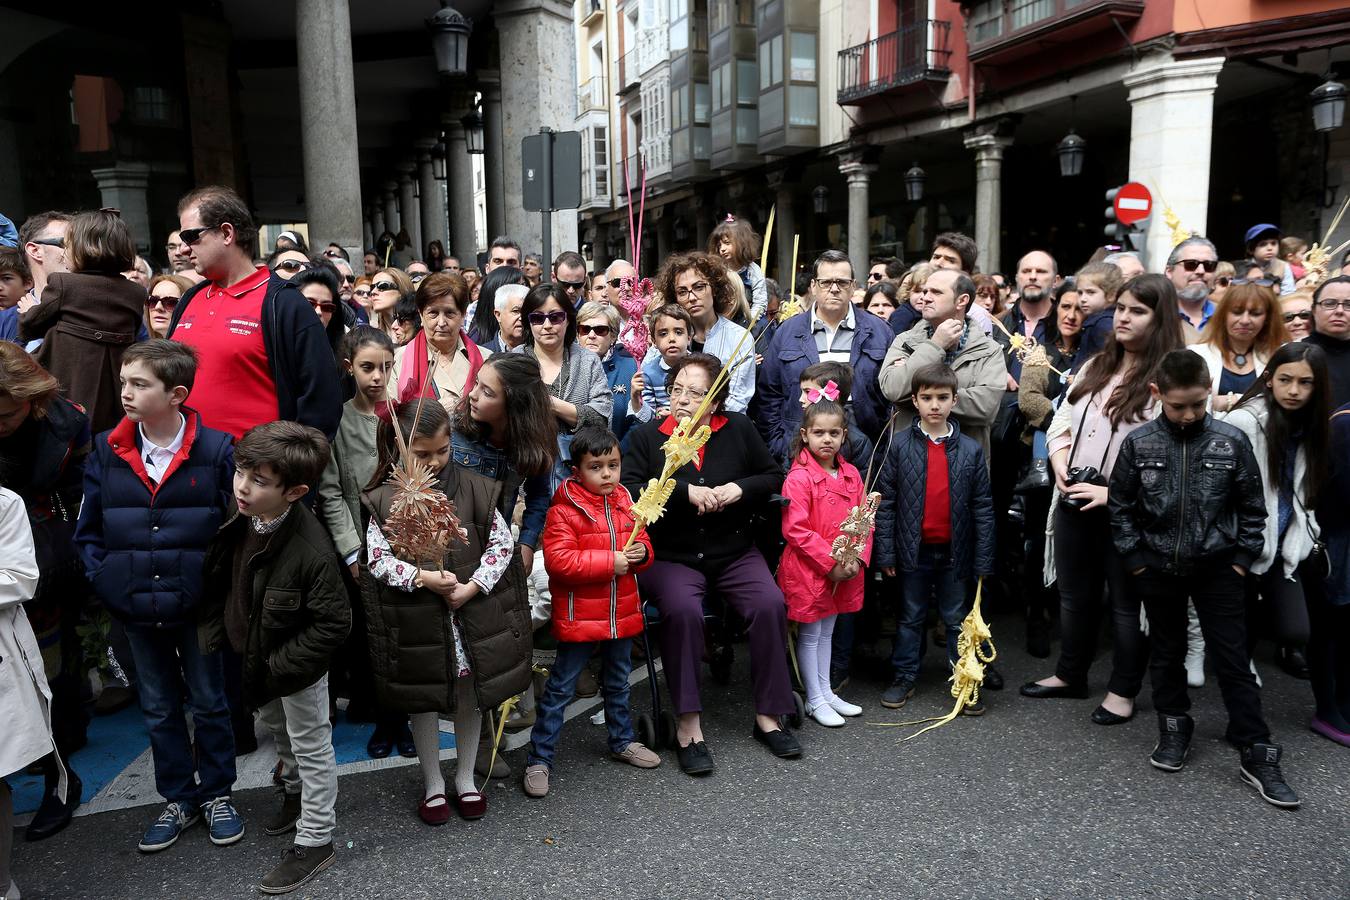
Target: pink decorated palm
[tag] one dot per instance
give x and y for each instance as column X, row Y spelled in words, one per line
column 633, row 300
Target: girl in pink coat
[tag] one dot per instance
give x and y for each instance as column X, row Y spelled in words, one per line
column 821, row 489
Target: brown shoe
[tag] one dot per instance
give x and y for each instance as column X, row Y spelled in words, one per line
column 637, row 755
column 535, row 781
column 298, row 865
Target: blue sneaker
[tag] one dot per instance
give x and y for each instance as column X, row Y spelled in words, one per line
column 223, row 820
column 164, row 831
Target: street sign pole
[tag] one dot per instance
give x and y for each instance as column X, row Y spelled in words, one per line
column 546, row 188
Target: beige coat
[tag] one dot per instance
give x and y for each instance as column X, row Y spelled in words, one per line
column 25, row 698
column 981, row 376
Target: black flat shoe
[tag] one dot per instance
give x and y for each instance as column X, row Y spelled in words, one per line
column 53, row 816
column 781, row 742
column 1047, row 691
column 1293, row 662
column 380, row 744
column 695, row 758
column 1103, row 716
column 403, row 740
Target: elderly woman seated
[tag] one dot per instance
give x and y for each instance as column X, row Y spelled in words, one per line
column 704, row 541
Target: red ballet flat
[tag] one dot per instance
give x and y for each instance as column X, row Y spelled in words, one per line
column 472, row 805
column 438, row 814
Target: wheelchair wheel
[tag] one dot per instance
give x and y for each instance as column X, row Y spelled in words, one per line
column 666, row 730
column 646, row 731
column 796, row 718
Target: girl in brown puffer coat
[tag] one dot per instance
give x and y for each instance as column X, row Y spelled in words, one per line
column 450, row 635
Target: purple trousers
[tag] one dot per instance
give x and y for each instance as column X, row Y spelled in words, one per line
column 749, row 589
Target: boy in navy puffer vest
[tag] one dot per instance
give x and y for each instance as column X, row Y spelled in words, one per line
column 156, row 490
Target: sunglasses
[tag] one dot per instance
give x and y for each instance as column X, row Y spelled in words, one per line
column 167, row 302
column 384, row 286
column 291, row 265
column 1305, row 315
column 416, row 277
column 874, row 276
column 349, row 279
column 361, row 292
column 616, row 283
column 571, row 286
column 598, row 330
column 191, row 236
column 1190, row 265
column 1263, row 282
column 332, row 254
column 557, row 317
column 321, row 306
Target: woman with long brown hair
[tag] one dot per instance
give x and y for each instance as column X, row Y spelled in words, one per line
column 387, row 287
column 1109, row 399
column 699, row 282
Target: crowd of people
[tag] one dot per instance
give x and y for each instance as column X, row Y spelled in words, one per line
column 217, row 463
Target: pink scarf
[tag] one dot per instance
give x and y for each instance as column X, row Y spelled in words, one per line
column 412, row 380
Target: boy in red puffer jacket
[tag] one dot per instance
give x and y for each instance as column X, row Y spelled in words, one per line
column 595, row 600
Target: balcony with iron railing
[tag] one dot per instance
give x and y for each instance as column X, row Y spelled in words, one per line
column 1005, row 30
column 592, row 96
column 915, row 54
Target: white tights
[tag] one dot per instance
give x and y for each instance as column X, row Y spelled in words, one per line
column 814, row 640
column 426, row 734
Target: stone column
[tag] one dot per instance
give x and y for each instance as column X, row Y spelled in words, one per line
column 988, row 144
column 366, row 236
column 665, row 238
column 785, row 226
column 459, row 186
column 859, row 175
column 429, row 192
column 410, row 217
column 1171, row 125
column 123, row 188
column 390, row 196
column 377, row 226
column 494, row 179
column 328, row 123
column 538, row 75
column 702, row 213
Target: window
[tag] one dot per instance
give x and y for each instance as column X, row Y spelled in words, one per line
column 986, row 20
column 745, row 82
column 747, row 126
column 803, row 56
column 721, row 86
column 679, row 108
column 600, row 154
column 802, row 103
column 771, row 62
column 702, row 102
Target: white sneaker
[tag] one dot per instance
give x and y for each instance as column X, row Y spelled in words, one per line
column 1195, row 671
column 825, row 715
column 843, row 707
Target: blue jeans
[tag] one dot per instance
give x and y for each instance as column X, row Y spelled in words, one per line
column 932, row 576
column 169, row 664
column 617, row 663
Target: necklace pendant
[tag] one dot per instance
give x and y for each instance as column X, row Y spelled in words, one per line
column 1239, row 359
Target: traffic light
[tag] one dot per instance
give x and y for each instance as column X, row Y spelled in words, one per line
column 1115, row 231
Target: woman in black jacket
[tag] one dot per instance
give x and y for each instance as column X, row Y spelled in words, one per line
column 705, row 540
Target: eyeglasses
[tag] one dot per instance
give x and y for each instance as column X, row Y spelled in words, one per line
column 416, row 277
column 291, row 265
column 697, row 287
column 677, row 392
column 829, row 285
column 1190, row 265
column 50, row 242
column 190, row 236
column 384, row 286
column 322, row 306
column 557, row 317
column 1305, row 315
column 598, row 330
column 1330, row 304
column 571, row 287
column 167, row 302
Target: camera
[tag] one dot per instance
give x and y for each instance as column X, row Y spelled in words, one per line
column 1081, row 475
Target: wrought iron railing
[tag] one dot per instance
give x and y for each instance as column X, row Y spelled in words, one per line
column 912, row 54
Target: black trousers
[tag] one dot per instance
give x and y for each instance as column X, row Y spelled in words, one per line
column 1085, row 562
column 1219, row 596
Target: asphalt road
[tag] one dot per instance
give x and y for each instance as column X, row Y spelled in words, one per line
column 1032, row 800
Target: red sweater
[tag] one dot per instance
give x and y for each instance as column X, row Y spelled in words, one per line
column 937, row 501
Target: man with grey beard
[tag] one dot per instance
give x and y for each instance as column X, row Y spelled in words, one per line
column 1191, row 269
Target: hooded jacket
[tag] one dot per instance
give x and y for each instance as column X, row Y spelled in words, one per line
column 817, row 505
column 581, row 535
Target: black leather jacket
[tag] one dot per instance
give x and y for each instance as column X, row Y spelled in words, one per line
column 1183, row 499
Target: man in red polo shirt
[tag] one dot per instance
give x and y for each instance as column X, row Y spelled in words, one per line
column 264, row 354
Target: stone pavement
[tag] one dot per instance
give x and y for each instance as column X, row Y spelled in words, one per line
column 1032, row 800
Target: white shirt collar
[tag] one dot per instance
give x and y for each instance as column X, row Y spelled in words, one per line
column 148, row 446
column 941, row 439
column 848, row 321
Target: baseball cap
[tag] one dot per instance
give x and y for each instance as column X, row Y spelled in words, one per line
column 1257, row 231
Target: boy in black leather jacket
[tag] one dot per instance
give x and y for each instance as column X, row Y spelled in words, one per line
column 1187, row 515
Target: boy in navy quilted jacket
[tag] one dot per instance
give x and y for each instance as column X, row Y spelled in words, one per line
column 595, row 600
column 935, row 524
column 156, row 490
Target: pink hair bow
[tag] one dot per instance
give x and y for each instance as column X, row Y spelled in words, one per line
column 829, row 392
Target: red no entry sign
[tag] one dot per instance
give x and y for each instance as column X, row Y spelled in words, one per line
column 1133, row 203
